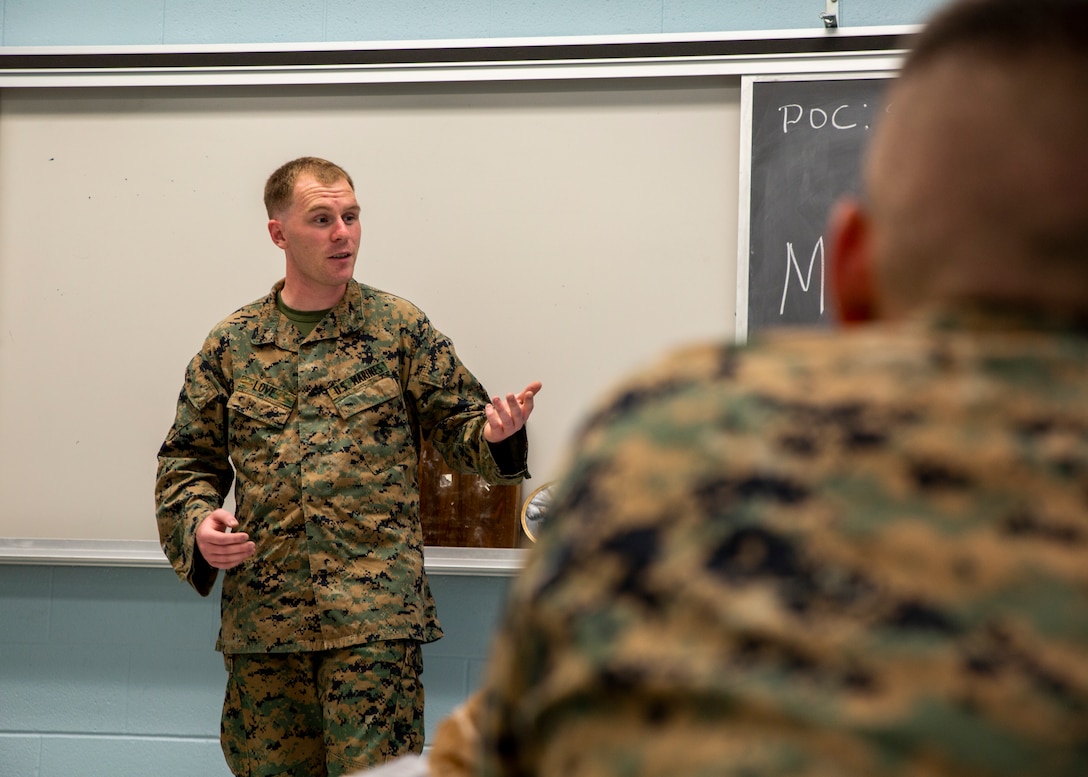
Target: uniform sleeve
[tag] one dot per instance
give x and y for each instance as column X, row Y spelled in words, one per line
column 194, row 472
column 450, row 402
column 511, row 454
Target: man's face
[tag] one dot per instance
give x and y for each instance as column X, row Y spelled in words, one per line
column 319, row 233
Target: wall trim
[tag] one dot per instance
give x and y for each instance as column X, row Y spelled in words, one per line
column 576, row 57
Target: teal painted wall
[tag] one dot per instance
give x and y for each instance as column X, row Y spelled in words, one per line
column 104, row 672
column 78, row 22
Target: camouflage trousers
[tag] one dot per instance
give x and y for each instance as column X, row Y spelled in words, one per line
column 324, row 713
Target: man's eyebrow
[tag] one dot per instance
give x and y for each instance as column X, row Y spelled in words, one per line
column 318, row 207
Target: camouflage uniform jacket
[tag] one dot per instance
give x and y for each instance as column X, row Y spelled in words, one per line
column 322, row 436
column 864, row 554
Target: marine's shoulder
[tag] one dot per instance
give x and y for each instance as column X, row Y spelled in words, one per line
column 375, row 298
column 786, row 361
column 240, row 322
column 244, row 315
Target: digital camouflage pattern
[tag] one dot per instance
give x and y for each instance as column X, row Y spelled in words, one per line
column 329, row 713
column 322, row 435
column 858, row 555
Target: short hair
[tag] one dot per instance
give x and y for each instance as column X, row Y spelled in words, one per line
column 1002, row 29
column 280, row 186
column 998, row 218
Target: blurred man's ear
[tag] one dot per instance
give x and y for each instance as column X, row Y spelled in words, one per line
column 851, row 263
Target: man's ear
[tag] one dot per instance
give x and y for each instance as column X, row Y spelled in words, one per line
column 275, row 230
column 851, row 262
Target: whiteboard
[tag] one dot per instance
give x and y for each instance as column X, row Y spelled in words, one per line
column 566, row 232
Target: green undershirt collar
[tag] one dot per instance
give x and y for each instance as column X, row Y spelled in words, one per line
column 305, row 320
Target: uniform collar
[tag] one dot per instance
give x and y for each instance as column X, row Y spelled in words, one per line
column 996, row 317
column 274, row 327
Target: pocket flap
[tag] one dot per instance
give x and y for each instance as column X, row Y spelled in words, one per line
column 366, row 395
column 262, row 402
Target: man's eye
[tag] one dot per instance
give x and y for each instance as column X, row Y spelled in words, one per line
column 350, row 218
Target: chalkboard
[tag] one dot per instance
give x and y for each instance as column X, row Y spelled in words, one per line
column 803, row 139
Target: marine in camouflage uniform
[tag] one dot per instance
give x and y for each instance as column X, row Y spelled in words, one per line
column 861, row 553
column 323, row 437
column 854, row 556
column 320, row 433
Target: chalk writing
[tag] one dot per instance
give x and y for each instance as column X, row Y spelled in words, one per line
column 840, row 118
column 806, row 279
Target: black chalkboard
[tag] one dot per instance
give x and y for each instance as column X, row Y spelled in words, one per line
column 807, row 136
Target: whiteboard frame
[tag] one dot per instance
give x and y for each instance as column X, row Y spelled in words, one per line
column 744, row 223
column 832, row 53
column 493, row 59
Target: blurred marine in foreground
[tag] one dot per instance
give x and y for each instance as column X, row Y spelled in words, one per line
column 863, row 552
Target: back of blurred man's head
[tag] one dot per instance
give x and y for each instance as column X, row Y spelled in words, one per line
column 977, row 178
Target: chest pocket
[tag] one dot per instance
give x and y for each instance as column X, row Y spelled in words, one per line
column 258, row 413
column 262, row 402
column 378, row 418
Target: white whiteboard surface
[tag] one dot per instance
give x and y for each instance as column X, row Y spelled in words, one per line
column 566, row 232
